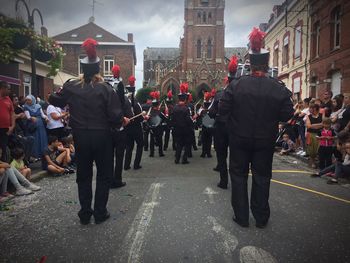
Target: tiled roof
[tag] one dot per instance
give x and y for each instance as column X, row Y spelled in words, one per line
column 238, row 51
column 88, row 30
column 153, row 53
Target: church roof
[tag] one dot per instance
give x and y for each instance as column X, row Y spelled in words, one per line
column 238, row 51
column 160, row 53
column 90, row 29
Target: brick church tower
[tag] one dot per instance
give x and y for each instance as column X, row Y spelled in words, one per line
column 203, row 44
column 201, row 59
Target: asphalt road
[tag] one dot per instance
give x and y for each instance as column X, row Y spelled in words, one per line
column 175, row 213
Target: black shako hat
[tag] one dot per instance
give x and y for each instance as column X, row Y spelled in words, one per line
column 91, row 63
column 258, row 55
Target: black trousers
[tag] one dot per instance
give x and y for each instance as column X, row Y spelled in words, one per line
column 207, row 140
column 156, row 140
column 3, row 143
column 167, row 132
column 146, row 132
column 257, row 154
column 133, row 134
column 93, row 145
column 119, row 146
column 58, row 132
column 221, row 147
column 183, row 141
column 325, row 156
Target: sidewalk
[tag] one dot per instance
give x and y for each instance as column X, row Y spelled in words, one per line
column 37, row 172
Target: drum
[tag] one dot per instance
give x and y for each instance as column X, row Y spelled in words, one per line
column 155, row 121
column 208, row 122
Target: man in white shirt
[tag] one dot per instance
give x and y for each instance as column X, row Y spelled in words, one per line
column 55, row 125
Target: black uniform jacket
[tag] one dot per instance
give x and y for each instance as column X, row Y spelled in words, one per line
column 182, row 118
column 255, row 105
column 214, row 109
column 92, row 106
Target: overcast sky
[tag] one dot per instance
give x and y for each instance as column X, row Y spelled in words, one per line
column 154, row 23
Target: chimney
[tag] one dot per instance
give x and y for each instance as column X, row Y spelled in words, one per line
column 130, row 37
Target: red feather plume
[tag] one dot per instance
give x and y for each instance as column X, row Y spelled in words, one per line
column 256, row 38
column 132, row 80
column 232, row 67
column 190, row 98
column 89, row 46
column 184, row 88
column 170, row 95
column 207, row 96
column 155, row 95
column 116, row 71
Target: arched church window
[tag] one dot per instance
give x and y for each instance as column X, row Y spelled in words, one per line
column 199, row 48
column 199, row 16
column 209, row 49
column 158, row 72
column 204, row 17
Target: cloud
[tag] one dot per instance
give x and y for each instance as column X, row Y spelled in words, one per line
column 154, row 23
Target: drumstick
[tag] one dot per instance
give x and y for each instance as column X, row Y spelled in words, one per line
column 138, row 115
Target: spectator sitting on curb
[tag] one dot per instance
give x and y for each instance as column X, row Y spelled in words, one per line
column 17, row 179
column 4, row 195
column 18, row 163
column 68, row 142
column 342, row 169
column 56, row 160
column 287, row 145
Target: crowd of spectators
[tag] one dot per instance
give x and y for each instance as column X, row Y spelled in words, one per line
column 31, row 130
column 319, row 131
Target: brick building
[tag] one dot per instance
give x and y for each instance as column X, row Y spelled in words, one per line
column 330, row 46
column 201, row 59
column 111, row 50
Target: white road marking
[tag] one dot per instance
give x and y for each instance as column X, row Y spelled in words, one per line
column 251, row 254
column 210, row 192
column 134, row 240
column 229, row 242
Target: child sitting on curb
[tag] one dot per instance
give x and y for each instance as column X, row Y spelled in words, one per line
column 22, row 185
column 18, row 163
column 4, row 195
column 56, row 158
column 287, row 145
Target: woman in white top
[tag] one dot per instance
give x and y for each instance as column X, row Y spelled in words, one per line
column 55, row 125
column 36, row 126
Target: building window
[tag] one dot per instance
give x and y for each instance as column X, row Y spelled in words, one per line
column 199, row 48
column 199, row 16
column 285, row 52
column 204, row 17
column 317, row 31
column 80, row 69
column 27, row 84
column 336, row 28
column 210, row 49
column 336, row 82
column 297, row 44
column 296, row 86
column 275, row 55
column 108, row 65
column 209, row 18
column 158, row 71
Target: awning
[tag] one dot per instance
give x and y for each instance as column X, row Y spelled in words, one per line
column 10, row 80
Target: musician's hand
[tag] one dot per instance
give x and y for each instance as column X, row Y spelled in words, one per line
column 146, row 117
column 126, row 121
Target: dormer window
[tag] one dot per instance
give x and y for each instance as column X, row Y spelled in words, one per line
column 98, row 36
column 204, row 2
column 74, row 35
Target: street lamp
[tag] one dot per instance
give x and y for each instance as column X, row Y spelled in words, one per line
column 32, row 53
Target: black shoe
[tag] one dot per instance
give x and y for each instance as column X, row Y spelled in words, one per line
column 117, row 185
column 161, row 155
column 85, row 221
column 185, row 162
column 195, row 148
column 260, row 225
column 136, row 167
column 102, row 219
column 177, row 161
column 216, row 169
column 242, row 224
column 209, row 155
column 127, row 168
column 315, row 175
column 151, row 155
column 202, row 155
column 332, row 181
column 222, row 186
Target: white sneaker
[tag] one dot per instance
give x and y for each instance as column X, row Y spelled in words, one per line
column 33, row 187
column 303, row 154
column 23, row 191
column 299, row 152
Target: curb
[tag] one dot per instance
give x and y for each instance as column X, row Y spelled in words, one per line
column 38, row 176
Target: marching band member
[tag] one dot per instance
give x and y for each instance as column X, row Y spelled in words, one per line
column 221, row 137
column 183, row 125
column 207, row 124
column 168, row 112
column 94, row 108
column 134, row 129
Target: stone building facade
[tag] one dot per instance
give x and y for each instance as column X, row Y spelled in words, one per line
column 111, row 50
column 201, row 59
